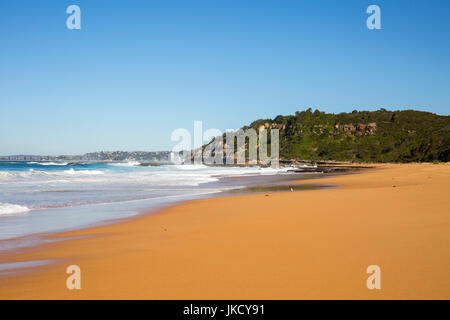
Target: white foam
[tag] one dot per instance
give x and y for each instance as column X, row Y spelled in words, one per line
column 73, row 172
column 190, row 166
column 49, row 163
column 7, row 208
column 40, row 173
column 126, row 164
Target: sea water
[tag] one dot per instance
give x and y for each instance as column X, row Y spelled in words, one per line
column 37, row 197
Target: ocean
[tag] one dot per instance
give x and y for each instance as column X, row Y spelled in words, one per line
column 42, row 197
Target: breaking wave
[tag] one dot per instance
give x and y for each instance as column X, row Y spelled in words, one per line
column 7, row 208
column 39, row 173
column 126, row 164
column 50, row 163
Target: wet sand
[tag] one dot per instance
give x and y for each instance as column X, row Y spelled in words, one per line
column 313, row 244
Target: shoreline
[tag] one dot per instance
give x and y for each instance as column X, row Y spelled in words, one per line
column 256, row 182
column 258, row 247
column 269, row 183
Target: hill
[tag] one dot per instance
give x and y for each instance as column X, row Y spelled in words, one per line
column 362, row 136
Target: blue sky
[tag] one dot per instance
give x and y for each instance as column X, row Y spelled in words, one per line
column 137, row 70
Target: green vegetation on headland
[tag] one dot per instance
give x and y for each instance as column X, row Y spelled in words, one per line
column 362, row 136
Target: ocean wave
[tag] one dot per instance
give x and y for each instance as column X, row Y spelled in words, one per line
column 8, row 208
column 71, row 171
column 191, row 166
column 39, row 173
column 126, row 164
column 49, row 163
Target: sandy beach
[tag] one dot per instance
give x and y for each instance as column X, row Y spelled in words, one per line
column 312, row 244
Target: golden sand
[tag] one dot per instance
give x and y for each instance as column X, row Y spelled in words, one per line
column 295, row 245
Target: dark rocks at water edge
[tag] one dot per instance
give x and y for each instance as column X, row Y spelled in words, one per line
column 327, row 169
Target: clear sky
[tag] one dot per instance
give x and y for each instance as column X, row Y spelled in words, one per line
column 137, row 70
